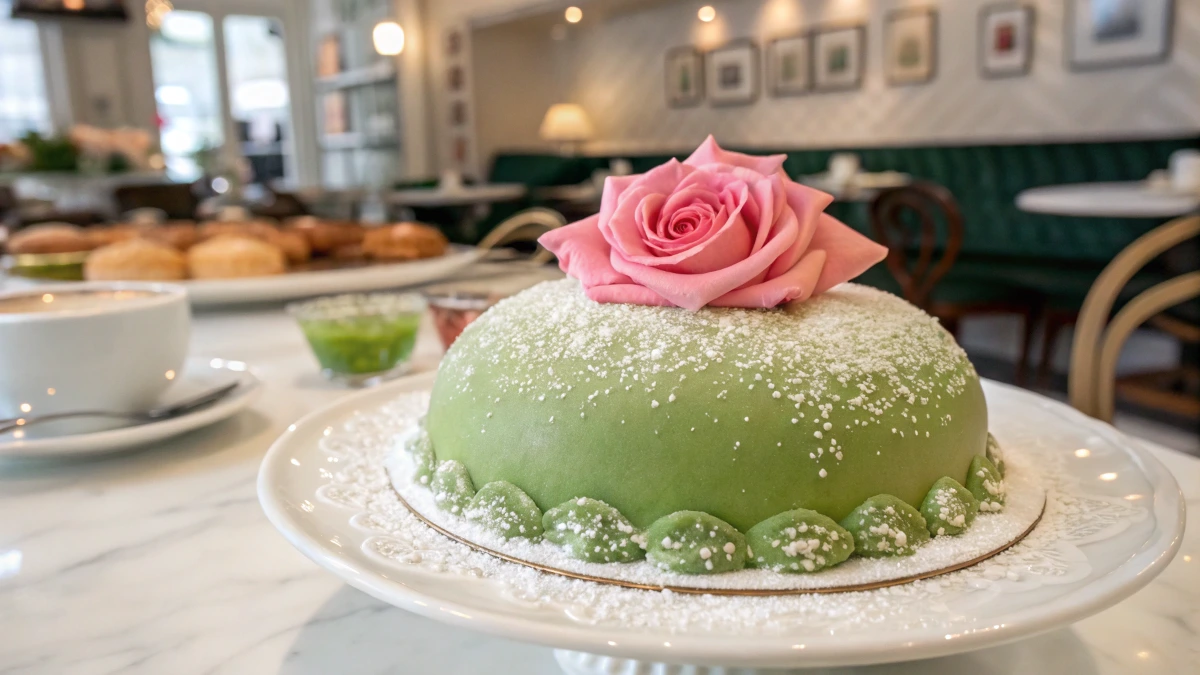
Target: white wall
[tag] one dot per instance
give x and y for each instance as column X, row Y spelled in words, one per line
column 615, row 59
column 620, row 82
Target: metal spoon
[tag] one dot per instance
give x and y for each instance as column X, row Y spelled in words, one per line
column 164, row 412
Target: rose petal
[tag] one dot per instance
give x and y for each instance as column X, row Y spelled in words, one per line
column 806, row 205
column 583, row 253
column 626, row 293
column 693, row 291
column 728, row 243
column 711, row 153
column 795, row 284
column 850, row 253
column 617, row 224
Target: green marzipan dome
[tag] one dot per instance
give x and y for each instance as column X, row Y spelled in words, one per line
column 742, row 414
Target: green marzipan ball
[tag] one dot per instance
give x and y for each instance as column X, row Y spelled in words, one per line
column 995, row 454
column 798, row 541
column 693, row 542
column 452, row 487
column 591, row 530
column 885, row 526
column 504, row 509
column 949, row 508
column 421, row 449
column 984, row 481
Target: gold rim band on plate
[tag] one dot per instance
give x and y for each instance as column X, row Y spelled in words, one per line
column 726, row 591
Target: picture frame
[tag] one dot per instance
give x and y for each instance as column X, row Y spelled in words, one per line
column 1006, row 32
column 1104, row 34
column 683, row 77
column 910, row 46
column 839, row 57
column 731, row 74
column 789, row 65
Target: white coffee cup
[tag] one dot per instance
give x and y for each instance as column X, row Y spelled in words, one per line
column 90, row 346
column 843, row 166
column 1184, row 167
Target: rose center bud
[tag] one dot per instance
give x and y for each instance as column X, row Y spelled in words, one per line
column 688, row 219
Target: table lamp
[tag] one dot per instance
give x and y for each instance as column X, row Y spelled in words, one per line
column 567, row 124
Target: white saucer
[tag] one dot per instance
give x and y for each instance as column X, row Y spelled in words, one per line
column 1114, row 520
column 199, row 375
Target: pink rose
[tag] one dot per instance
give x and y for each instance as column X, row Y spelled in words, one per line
column 721, row 229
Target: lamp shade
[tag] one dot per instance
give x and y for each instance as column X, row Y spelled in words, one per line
column 566, row 123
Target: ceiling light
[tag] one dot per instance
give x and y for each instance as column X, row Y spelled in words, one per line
column 388, row 37
column 707, row 13
column 573, row 14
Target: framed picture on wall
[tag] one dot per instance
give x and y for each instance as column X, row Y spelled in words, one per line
column 789, row 68
column 1005, row 40
column 910, row 46
column 838, row 57
column 1115, row 33
column 684, row 69
column 732, row 74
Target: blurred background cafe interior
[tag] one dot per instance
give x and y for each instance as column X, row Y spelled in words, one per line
column 1033, row 167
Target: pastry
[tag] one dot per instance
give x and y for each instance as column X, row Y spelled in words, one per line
column 135, row 260
column 260, row 229
column 103, row 235
column 50, row 238
column 708, row 393
column 325, row 236
column 180, row 234
column 293, row 244
column 405, row 241
column 228, row 256
column 844, row 414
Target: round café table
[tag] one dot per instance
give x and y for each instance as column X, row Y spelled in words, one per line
column 471, row 201
column 465, row 195
column 1134, row 199
column 861, row 188
column 160, row 560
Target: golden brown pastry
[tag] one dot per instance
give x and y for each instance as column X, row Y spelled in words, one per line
column 348, row 252
column 103, row 235
column 50, row 238
column 260, row 229
column 405, row 241
column 181, row 234
column 229, row 256
column 325, row 236
column 135, row 260
column 293, row 244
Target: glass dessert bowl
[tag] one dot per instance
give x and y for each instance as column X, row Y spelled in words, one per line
column 361, row 340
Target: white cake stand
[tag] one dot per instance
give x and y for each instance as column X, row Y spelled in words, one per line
column 1113, row 522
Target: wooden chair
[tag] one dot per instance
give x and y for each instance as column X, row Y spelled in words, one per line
column 910, row 221
column 526, row 226
column 1092, row 382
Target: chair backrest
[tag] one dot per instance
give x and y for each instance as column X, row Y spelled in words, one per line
column 528, row 225
column 1097, row 342
column 176, row 199
column 906, row 220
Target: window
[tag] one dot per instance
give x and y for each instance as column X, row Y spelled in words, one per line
column 23, row 105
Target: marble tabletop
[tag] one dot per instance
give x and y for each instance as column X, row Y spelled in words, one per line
column 1135, row 199
column 160, row 561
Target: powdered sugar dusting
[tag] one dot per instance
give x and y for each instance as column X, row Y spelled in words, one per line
column 552, row 344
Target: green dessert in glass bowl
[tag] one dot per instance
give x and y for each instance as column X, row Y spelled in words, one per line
column 361, row 339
